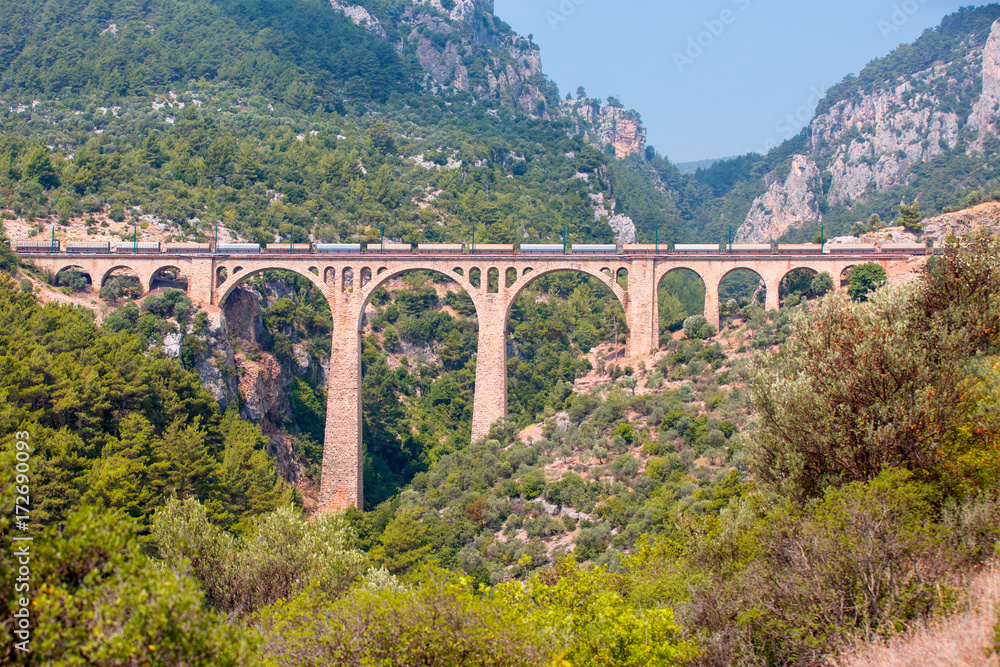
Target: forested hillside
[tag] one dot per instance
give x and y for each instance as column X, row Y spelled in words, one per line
column 773, row 491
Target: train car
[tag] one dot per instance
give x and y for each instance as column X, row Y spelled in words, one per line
column 904, row 249
column 849, row 249
column 645, row 249
column 88, row 247
column 696, row 249
column 138, row 247
column 594, row 249
column 288, row 248
column 188, row 248
column 237, row 248
column 749, row 249
column 338, row 248
column 800, row 249
column 542, row 249
column 37, row 246
column 440, row 248
column 493, row 249
column 390, row 248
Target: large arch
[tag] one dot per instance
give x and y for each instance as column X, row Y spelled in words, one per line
column 385, row 276
column 534, row 274
column 235, row 279
column 795, row 280
column 521, row 391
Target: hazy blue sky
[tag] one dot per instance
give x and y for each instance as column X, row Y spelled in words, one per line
column 713, row 78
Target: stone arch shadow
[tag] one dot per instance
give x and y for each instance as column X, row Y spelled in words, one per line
column 783, row 283
column 156, row 275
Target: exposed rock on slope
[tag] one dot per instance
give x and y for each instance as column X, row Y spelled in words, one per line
column 604, row 125
column 987, row 108
column 445, row 41
column 874, row 139
column 783, row 204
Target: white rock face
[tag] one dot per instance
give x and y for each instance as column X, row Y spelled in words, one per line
column 783, row 204
column 172, row 345
column 623, row 228
column 987, row 108
column 361, row 17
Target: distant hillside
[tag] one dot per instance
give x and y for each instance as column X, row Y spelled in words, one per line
column 695, row 165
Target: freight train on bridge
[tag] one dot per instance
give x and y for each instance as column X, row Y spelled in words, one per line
column 482, row 249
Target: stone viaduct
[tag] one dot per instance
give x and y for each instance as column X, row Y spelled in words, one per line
column 348, row 283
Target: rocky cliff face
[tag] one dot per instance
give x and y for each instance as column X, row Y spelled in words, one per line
column 607, row 125
column 784, row 203
column 987, row 109
column 464, row 46
column 874, row 140
column 234, row 369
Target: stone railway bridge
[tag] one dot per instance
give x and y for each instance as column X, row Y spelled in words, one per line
column 348, row 283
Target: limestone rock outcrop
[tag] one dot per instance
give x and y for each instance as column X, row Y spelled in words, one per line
column 784, row 204
column 443, row 37
column 604, row 125
column 624, row 229
column 987, row 109
column 361, row 17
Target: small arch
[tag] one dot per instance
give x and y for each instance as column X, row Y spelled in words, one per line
column 74, row 277
column 475, row 278
column 606, row 271
column 493, row 280
column 680, row 293
column 168, row 277
column 381, row 271
column 845, row 275
column 458, row 270
column 237, row 269
column 526, row 271
column 117, row 271
column 511, row 276
column 621, row 276
column 366, row 276
column 314, row 270
column 743, row 285
column 346, row 279
column 797, row 281
column 221, row 275
column 330, row 276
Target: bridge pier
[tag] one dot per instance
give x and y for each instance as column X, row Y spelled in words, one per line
column 341, row 482
column 642, row 311
column 489, row 402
